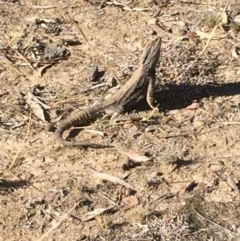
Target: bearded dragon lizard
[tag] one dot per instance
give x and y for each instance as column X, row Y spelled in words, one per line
column 139, row 86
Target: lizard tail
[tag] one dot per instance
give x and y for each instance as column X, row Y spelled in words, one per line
column 83, row 117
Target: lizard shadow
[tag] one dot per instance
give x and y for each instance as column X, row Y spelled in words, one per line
column 9, row 186
column 171, row 96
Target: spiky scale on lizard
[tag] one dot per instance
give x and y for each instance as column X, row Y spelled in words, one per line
column 139, row 86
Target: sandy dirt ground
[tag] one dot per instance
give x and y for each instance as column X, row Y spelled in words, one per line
column 182, row 163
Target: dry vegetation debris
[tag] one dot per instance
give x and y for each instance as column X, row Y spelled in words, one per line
column 174, row 174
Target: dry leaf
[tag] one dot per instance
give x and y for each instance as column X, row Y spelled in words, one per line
column 31, row 18
column 42, row 7
column 143, row 228
column 36, row 108
column 224, row 18
column 137, row 157
column 139, row 9
column 193, row 106
column 43, row 68
column 235, row 52
column 35, row 99
column 111, row 178
column 203, row 35
column 180, row 23
column 237, row 19
column 93, row 214
column 152, row 21
column 130, row 200
column 95, row 132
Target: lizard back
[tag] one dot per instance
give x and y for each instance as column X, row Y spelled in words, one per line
column 131, row 92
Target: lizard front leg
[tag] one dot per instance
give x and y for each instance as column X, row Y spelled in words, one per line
column 114, row 111
column 150, row 93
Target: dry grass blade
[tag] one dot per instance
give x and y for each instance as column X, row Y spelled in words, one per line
column 212, row 33
column 208, row 41
column 20, row 149
column 233, row 184
column 93, row 214
column 214, row 223
column 8, row 63
column 59, row 222
column 42, row 7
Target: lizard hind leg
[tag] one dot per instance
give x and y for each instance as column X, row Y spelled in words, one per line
column 114, row 112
